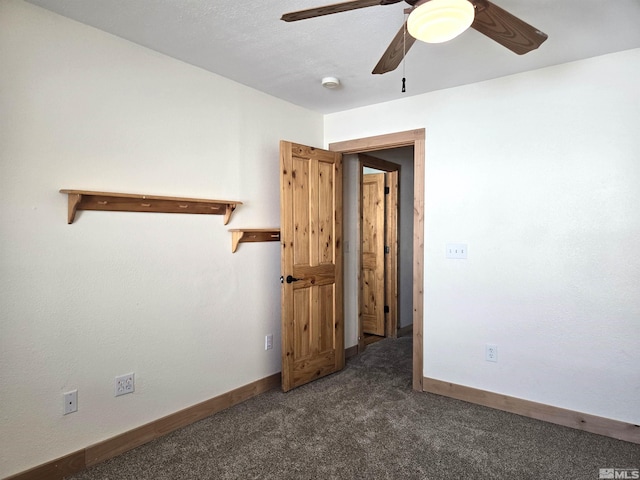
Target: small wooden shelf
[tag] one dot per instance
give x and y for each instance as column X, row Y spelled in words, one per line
column 127, row 202
column 241, row 235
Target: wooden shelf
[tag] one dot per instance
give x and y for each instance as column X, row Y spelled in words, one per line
column 127, row 202
column 241, row 235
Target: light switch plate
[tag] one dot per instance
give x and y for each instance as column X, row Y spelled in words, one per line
column 456, row 250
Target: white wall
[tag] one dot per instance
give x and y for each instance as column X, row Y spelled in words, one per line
column 539, row 174
column 157, row 294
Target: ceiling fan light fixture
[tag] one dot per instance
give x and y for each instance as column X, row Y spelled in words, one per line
column 437, row 21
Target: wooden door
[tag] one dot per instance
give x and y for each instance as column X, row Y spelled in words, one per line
column 311, row 262
column 372, row 251
column 391, row 254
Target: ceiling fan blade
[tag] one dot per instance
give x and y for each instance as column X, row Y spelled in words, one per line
column 329, row 9
column 395, row 52
column 505, row 28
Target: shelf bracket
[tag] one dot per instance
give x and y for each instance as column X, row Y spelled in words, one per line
column 230, row 207
column 74, row 201
column 236, row 238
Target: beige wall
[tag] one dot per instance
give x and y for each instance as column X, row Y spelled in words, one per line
column 157, row 294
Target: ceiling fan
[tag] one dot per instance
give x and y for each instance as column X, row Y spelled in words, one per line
column 482, row 15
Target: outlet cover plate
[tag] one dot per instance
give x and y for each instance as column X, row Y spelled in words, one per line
column 70, row 402
column 124, row 384
column 491, row 352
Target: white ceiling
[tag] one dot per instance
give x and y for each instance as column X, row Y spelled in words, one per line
column 245, row 40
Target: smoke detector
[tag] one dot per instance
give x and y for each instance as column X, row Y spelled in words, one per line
column 330, row 82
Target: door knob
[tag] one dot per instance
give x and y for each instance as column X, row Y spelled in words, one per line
column 291, row 279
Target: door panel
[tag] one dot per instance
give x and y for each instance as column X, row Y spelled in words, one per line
column 310, row 233
column 391, row 255
column 373, row 214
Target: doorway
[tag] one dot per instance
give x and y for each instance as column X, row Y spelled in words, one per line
column 416, row 139
column 378, row 206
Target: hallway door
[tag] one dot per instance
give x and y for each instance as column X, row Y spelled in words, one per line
column 372, row 296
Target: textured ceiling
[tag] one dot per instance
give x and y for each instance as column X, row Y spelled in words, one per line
column 245, row 40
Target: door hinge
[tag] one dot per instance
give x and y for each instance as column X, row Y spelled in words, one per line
column 387, row 190
column 386, row 309
column 387, row 249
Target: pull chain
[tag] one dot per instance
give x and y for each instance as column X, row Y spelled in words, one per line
column 404, row 54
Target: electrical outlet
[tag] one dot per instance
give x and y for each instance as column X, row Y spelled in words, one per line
column 70, row 402
column 491, row 353
column 268, row 342
column 124, row 384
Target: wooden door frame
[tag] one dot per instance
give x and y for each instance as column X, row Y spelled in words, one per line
column 415, row 138
column 392, row 172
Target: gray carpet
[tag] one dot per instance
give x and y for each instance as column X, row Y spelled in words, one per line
column 367, row 423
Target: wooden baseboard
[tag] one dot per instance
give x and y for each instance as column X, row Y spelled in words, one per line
column 80, row 460
column 351, row 351
column 54, row 470
column 560, row 416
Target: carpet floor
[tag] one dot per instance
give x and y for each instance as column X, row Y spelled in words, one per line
column 366, row 422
